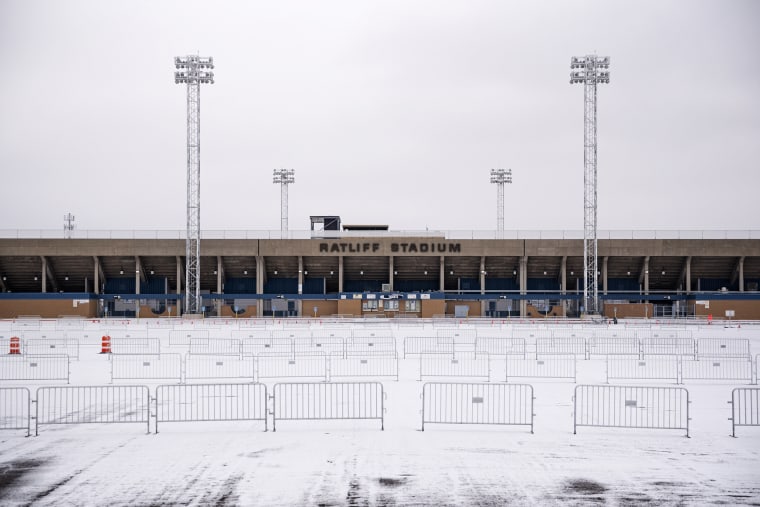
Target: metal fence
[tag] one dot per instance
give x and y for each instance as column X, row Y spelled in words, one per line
column 370, row 366
column 330, row 346
column 282, row 347
column 470, row 403
column 92, row 404
column 436, row 365
column 139, row 346
column 613, row 346
column 28, row 367
column 183, row 337
column 52, row 347
column 685, row 347
column 500, row 346
column 148, row 367
column 206, row 367
column 211, row 402
column 285, row 367
column 717, row 368
column 325, row 401
column 559, row 367
column 631, row 407
column 560, row 346
column 15, row 409
column 745, row 407
column 730, row 347
column 414, row 345
column 364, row 346
column 652, row 367
column 215, row 346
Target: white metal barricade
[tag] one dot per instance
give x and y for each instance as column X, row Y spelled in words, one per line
column 52, row 347
column 363, row 346
column 717, row 368
column 15, row 409
column 477, row 403
column 328, row 346
column 328, row 401
column 183, row 337
column 728, row 347
column 414, row 345
column 560, row 346
column 139, row 346
column 613, row 347
column 148, row 367
column 649, row 368
column 28, row 367
column 745, row 407
column 500, row 346
column 631, row 407
column 369, row 366
column 281, row 347
column 436, row 365
column 92, row 404
column 548, row 367
column 211, row 402
column 200, row 367
column 215, row 346
column 685, row 347
column 267, row 367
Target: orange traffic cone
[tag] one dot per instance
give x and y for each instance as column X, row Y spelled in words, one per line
column 15, row 345
column 105, row 347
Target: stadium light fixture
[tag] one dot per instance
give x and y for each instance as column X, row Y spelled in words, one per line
column 283, row 177
column 500, row 177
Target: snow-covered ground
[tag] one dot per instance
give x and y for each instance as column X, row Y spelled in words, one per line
column 354, row 463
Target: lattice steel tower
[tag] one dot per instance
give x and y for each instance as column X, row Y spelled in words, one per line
column 500, row 177
column 590, row 70
column 283, row 177
column 193, row 70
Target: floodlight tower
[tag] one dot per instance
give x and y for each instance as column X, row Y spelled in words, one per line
column 68, row 225
column 283, row 177
column 590, row 70
column 193, row 70
column 500, row 177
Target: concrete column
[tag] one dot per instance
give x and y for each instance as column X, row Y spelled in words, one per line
column 96, row 274
column 260, row 278
column 604, row 273
column 442, row 274
column 300, row 274
column 220, row 274
column 646, row 275
column 390, row 271
column 741, row 274
column 179, row 275
column 138, row 268
column 482, row 275
column 340, row 273
column 688, row 275
column 44, row 274
column 523, row 285
column 563, row 283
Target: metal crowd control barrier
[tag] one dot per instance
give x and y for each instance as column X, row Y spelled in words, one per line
column 281, row 347
column 139, row 346
column 35, row 368
column 561, row 346
column 329, row 346
column 15, row 409
column 500, row 346
column 92, row 404
column 729, row 347
column 52, row 347
column 200, row 367
column 285, row 367
column 631, row 407
column 745, row 407
column 183, row 337
column 211, row 402
column 649, row 368
column 250, row 334
column 370, row 366
column 321, row 401
column 613, row 347
column 215, row 346
column 685, row 347
column 559, row 367
column 463, row 403
column 363, row 346
column 717, row 368
column 436, row 365
column 428, row 345
column 148, row 367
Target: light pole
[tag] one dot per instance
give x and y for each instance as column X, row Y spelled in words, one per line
column 500, row 177
column 283, row 177
column 193, row 70
column 590, row 70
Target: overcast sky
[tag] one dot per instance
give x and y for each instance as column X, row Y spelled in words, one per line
column 390, row 112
